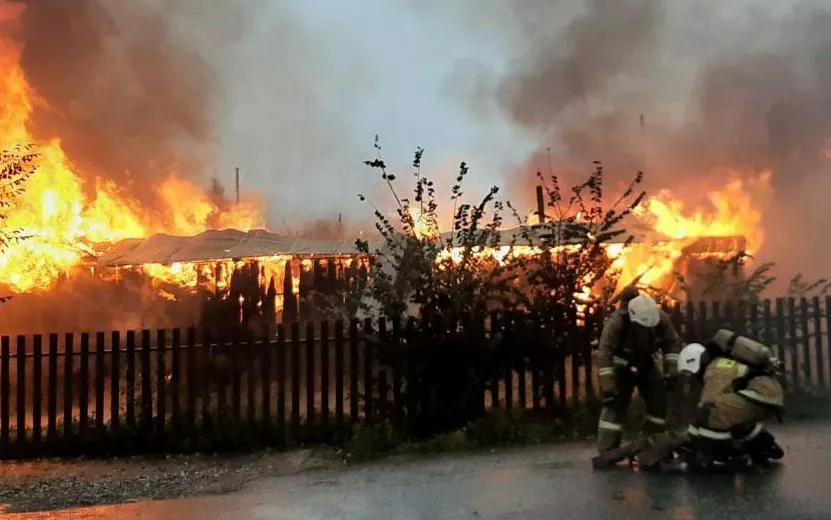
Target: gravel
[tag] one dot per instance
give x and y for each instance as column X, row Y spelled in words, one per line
column 49, row 485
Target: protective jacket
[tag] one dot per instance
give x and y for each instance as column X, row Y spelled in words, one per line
column 623, row 345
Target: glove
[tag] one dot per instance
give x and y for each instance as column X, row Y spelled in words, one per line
column 609, row 398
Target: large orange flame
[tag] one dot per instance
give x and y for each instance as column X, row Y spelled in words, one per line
column 64, row 222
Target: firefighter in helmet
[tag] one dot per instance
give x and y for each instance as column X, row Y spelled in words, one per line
column 638, row 349
column 740, row 389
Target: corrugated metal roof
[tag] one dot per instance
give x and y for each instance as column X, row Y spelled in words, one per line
column 217, row 245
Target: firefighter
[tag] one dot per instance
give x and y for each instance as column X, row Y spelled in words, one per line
column 740, row 390
column 638, row 349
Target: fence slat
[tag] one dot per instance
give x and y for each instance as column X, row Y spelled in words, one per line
column 192, row 387
column 496, row 325
column 69, row 355
column 251, row 379
column 130, row 380
column 310, row 374
column 206, row 381
column 83, row 388
column 235, row 356
column 339, row 368
column 397, row 371
column 161, row 386
column 21, row 394
column 176, row 384
column 265, row 373
column 221, row 368
column 37, row 396
column 353, row 371
column 5, row 358
column 767, row 325
column 146, row 388
column 780, row 334
column 806, row 343
column 115, row 384
column 52, row 392
column 324, row 374
column 369, row 391
column 281, row 382
column 520, row 326
column 100, row 380
column 295, row 377
column 820, row 378
column 828, row 332
column 792, row 343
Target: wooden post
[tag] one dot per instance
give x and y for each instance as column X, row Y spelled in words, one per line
column 37, row 396
column 115, row 390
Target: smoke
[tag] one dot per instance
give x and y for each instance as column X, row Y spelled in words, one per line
column 744, row 85
column 139, row 90
column 127, row 86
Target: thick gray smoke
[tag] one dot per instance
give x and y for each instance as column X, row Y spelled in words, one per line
column 744, row 84
column 136, row 90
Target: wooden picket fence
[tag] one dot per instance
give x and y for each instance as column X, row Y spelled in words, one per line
column 177, row 390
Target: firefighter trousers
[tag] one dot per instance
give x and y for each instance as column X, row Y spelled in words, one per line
column 652, row 390
column 727, row 418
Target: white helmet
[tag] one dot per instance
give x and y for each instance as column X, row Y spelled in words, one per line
column 644, row 311
column 689, row 359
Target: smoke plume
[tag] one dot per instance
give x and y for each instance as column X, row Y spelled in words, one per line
column 743, row 85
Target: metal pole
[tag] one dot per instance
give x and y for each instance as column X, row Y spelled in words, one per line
column 236, row 172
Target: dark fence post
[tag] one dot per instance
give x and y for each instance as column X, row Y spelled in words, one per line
column 131, row 380
column 5, row 358
column 353, row 372
column 806, row 342
column 395, row 349
column 192, row 388
column 161, row 383
column 781, row 333
column 235, row 356
column 265, row 371
column 767, row 326
column 369, row 348
column 21, row 395
column 83, row 391
column 37, row 396
column 496, row 326
column 310, row 375
column 792, row 343
column 115, row 386
column 520, row 330
column 52, row 392
column 828, row 329
column 339, row 368
column 538, row 367
column 251, row 378
column 69, row 354
column 281, row 382
column 295, row 377
column 176, row 384
column 146, row 389
column 100, row 375
column 266, row 384
column 324, row 375
column 818, row 341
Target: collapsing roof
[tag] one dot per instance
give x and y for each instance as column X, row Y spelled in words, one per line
column 217, row 245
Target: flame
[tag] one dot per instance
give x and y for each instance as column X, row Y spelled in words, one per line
column 423, row 225
column 735, row 210
column 67, row 215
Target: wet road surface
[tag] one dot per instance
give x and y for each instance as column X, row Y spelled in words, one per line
column 532, row 483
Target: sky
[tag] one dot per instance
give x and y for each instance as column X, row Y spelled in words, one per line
column 342, row 75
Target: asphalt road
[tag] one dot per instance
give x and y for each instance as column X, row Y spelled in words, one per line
column 532, row 483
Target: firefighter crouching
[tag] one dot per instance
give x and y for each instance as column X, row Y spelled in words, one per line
column 739, row 391
column 638, row 349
